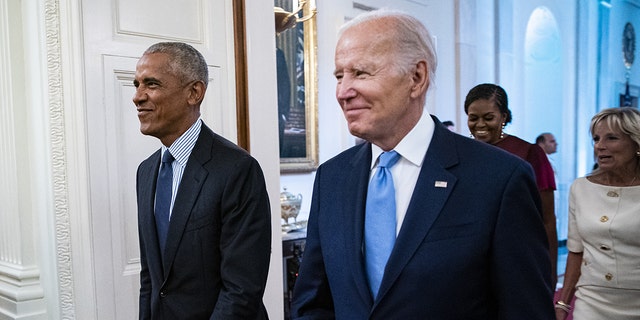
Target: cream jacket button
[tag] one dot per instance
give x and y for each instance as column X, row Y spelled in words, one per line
column 604, row 247
column 608, row 276
column 604, row 219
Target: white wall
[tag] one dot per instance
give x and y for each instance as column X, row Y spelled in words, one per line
column 263, row 137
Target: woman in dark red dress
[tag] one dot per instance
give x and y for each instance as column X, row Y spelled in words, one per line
column 487, row 109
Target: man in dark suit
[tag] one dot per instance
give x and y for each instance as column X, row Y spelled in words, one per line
column 205, row 243
column 469, row 240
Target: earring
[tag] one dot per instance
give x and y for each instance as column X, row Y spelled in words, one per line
column 502, row 131
column 638, row 153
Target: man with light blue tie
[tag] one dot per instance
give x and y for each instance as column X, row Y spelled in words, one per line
column 447, row 228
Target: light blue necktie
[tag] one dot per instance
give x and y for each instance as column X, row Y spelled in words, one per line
column 163, row 198
column 380, row 220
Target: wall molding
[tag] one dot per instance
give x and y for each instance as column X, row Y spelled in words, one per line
column 58, row 160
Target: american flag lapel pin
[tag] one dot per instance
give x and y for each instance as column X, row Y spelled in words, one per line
column 441, row 184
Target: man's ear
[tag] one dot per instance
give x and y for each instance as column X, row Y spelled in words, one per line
column 196, row 92
column 421, row 79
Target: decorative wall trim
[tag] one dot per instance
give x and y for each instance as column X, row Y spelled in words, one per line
column 363, row 7
column 635, row 3
column 10, row 240
column 58, row 160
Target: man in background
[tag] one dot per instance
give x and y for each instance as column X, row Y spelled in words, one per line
column 547, row 142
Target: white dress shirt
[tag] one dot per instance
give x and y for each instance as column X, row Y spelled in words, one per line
column 181, row 150
column 412, row 149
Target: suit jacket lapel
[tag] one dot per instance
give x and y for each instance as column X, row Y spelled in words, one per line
column 147, row 189
column 192, row 180
column 427, row 201
column 356, row 188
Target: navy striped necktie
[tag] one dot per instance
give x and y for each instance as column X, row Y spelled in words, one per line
column 163, row 198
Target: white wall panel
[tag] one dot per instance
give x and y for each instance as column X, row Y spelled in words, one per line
column 178, row 20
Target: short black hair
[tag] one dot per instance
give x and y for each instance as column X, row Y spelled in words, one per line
column 540, row 138
column 492, row 92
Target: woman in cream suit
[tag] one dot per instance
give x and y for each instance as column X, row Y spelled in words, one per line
column 603, row 266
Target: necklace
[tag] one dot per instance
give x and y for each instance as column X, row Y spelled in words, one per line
column 615, row 194
column 607, row 182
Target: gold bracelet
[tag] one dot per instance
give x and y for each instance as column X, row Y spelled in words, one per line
column 562, row 305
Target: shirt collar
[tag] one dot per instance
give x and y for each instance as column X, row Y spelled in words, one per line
column 414, row 145
column 181, row 148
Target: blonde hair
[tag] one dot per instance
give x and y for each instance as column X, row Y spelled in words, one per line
column 625, row 119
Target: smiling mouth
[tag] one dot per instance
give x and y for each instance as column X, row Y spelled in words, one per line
column 143, row 112
column 354, row 111
column 353, row 107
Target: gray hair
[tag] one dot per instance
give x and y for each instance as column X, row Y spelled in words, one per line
column 413, row 41
column 186, row 62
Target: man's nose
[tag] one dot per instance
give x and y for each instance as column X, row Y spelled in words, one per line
column 139, row 96
column 344, row 89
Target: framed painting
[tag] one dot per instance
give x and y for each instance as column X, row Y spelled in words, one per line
column 296, row 52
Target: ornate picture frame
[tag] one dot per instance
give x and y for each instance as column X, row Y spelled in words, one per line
column 298, row 88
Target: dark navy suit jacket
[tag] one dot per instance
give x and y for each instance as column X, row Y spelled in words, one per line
column 473, row 249
column 216, row 259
